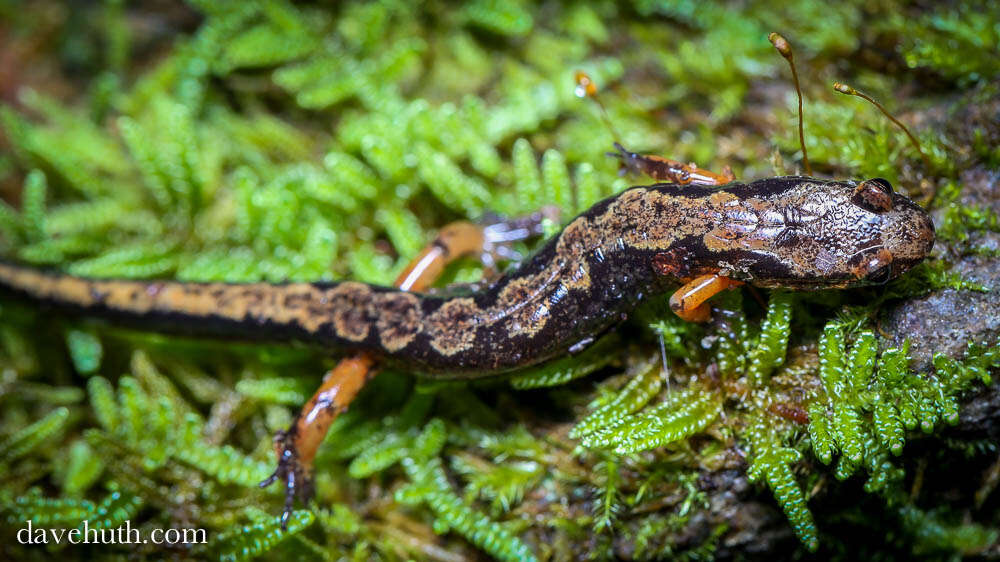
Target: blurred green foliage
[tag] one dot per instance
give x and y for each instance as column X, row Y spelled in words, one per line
column 271, row 140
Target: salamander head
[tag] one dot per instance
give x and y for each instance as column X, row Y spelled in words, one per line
column 849, row 234
column 805, row 233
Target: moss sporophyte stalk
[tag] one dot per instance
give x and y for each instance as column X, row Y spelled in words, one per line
column 272, row 141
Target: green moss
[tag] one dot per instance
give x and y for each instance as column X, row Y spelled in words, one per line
column 771, row 463
column 942, row 34
column 769, row 353
column 29, row 438
column 250, row 541
column 294, row 141
column 961, row 220
column 867, row 410
column 85, row 350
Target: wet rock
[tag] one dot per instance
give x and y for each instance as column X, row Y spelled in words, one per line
column 945, row 321
column 980, row 187
column 979, row 417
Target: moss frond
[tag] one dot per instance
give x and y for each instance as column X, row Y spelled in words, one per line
column 934, row 534
column 432, row 488
column 83, row 470
column 769, row 353
column 867, row 410
column 114, row 510
column 640, row 389
column 771, row 463
column 44, row 511
column 504, row 18
column 680, row 416
column 85, row 350
column 503, row 485
column 278, row 390
column 225, row 464
column 250, row 541
column 31, row 437
column 102, row 401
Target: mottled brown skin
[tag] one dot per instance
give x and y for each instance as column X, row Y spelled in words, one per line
column 788, row 232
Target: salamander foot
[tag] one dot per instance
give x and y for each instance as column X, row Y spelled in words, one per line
column 296, row 476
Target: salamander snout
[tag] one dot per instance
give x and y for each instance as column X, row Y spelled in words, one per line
column 907, row 233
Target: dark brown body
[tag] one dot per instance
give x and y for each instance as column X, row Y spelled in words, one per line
column 790, row 232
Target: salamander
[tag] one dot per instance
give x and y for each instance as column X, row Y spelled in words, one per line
column 783, row 232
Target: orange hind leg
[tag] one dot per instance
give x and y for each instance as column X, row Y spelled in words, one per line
column 296, row 447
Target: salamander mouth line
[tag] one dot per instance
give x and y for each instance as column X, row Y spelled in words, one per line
column 868, row 249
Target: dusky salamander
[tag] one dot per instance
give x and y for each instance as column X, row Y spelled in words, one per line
column 782, row 232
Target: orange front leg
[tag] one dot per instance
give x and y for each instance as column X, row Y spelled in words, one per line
column 688, row 302
column 672, row 171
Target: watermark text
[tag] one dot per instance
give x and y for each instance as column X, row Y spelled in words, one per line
column 122, row 534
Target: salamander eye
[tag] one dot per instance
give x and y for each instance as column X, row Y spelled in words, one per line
column 874, row 195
